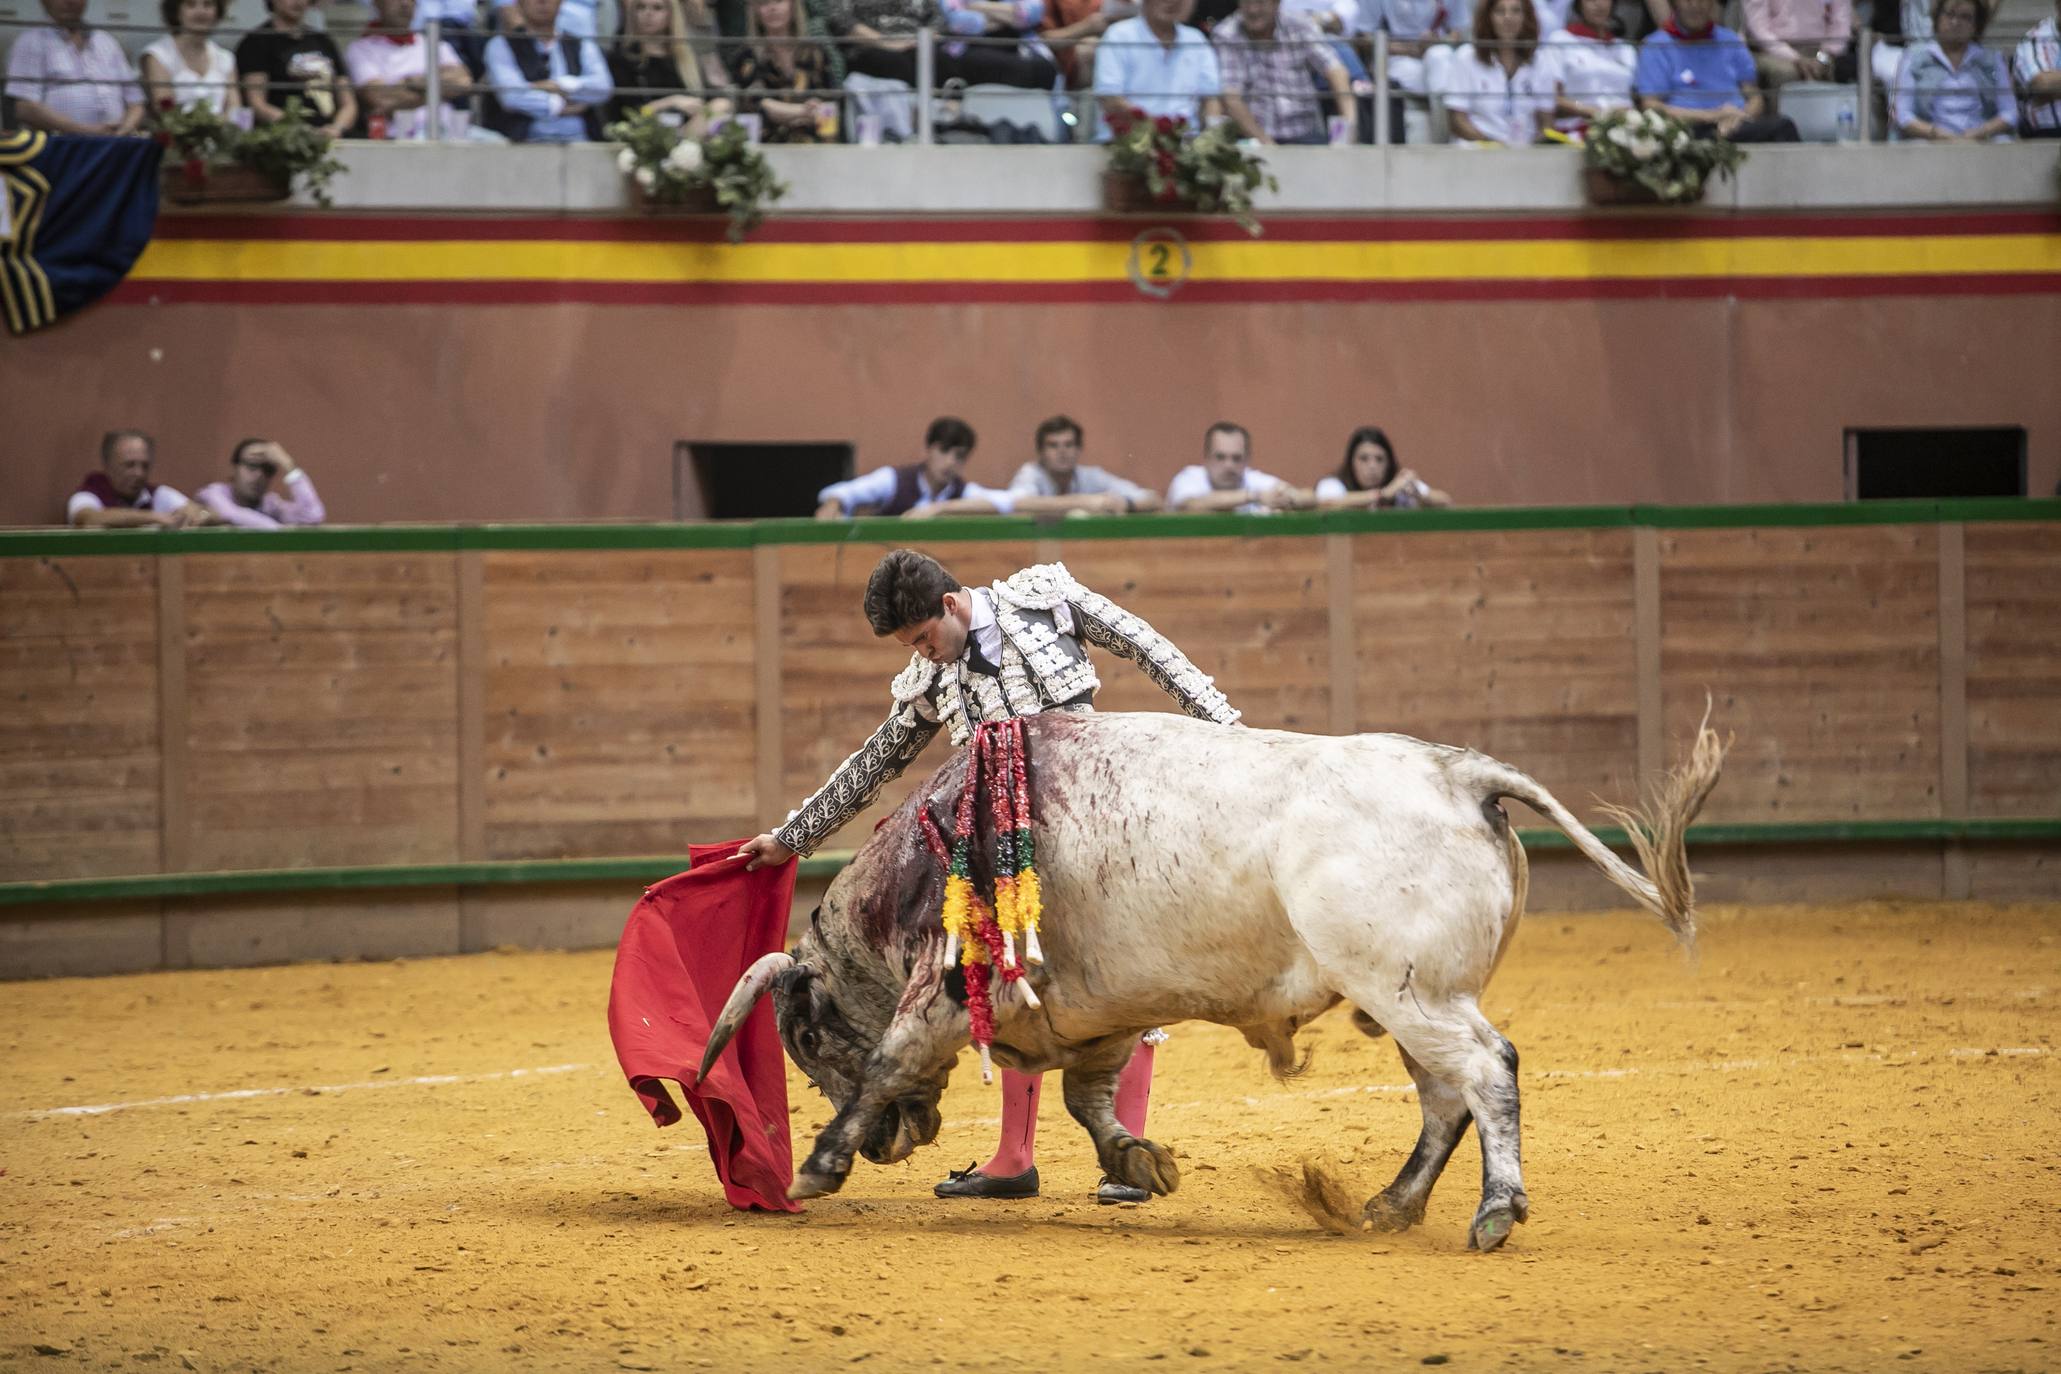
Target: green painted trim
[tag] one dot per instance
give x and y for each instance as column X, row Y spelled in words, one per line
column 649, row 869
column 751, row 534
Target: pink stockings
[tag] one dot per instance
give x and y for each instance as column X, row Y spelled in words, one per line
column 1020, row 1091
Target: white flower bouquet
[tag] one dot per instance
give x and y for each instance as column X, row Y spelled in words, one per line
column 722, row 171
column 1657, row 152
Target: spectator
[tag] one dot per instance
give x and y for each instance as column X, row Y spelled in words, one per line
column 1074, row 29
column 1056, row 481
column 784, row 76
column 549, row 87
column 1157, row 64
column 1225, row 478
column 1592, row 67
column 933, row 485
column 654, row 66
column 283, row 60
column 390, row 67
column 1699, row 71
column 1950, row 88
column 880, row 37
column 459, row 24
column 575, row 19
column 71, row 78
column 259, row 471
column 1505, row 94
column 122, row 496
column 186, row 66
column 1419, row 57
column 1272, row 64
column 1370, row 477
column 2037, row 66
column 1798, row 40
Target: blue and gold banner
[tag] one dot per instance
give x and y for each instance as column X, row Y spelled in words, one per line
column 79, row 213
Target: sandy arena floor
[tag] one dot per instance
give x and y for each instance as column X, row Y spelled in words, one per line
column 1830, row 1148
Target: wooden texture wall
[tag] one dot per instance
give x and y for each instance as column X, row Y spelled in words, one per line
column 291, row 709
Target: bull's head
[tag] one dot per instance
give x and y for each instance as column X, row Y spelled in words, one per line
column 830, row 1043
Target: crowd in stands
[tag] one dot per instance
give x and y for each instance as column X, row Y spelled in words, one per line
column 266, row 490
column 1054, row 480
column 1283, row 71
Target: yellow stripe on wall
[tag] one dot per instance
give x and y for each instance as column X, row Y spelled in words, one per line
column 1260, row 260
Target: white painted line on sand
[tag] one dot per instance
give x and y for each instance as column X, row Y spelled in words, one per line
column 313, row 1090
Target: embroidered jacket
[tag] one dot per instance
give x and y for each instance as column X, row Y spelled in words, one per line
column 1047, row 620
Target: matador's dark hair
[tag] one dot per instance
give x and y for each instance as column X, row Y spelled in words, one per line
column 907, row 588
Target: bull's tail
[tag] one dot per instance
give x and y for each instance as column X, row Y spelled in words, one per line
column 1656, row 828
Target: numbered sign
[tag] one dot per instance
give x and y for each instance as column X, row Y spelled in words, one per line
column 1160, row 262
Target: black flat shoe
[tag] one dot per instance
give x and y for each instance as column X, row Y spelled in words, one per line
column 1111, row 1192
column 971, row 1182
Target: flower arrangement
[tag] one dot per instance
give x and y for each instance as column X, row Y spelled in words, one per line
column 1658, row 152
column 287, row 149
column 670, row 167
column 1205, row 170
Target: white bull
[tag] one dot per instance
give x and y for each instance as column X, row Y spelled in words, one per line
column 1251, row 878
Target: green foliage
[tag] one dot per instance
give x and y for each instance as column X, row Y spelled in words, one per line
column 1206, row 170
column 673, row 168
column 287, row 149
column 1658, row 151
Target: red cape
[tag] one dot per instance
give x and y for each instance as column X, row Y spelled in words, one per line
column 682, row 950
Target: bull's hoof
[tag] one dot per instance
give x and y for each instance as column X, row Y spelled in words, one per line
column 1143, row 1164
column 1493, row 1223
column 1383, row 1213
column 806, row 1186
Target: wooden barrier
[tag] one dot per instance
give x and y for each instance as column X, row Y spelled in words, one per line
column 341, row 699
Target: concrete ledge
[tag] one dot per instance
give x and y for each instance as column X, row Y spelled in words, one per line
column 972, row 180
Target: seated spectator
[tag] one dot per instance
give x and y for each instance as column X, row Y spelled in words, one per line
column 458, row 24
column 1226, row 480
column 1420, row 56
column 933, row 485
column 390, row 67
column 1056, row 481
column 284, row 60
column 1592, row 67
column 548, row 87
column 266, row 489
column 1950, row 88
column 880, row 41
column 781, row 75
column 121, row 495
column 1501, row 92
column 1272, row 63
column 655, row 67
column 71, row 78
column 1369, row 477
column 1798, row 40
column 1074, row 29
column 2037, row 67
column 576, row 18
column 1699, row 71
column 1157, row 64
column 186, row 66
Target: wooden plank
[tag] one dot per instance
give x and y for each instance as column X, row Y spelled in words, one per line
column 472, row 705
column 1345, row 670
column 323, row 726
column 1956, row 875
column 1252, row 613
column 1518, row 644
column 1646, row 646
column 767, row 793
column 1820, row 648
column 835, row 672
column 175, row 847
column 620, row 701
column 81, row 775
column 2013, row 636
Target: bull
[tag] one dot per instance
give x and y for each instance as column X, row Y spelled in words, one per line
column 1250, row 878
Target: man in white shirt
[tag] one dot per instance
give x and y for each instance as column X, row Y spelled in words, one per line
column 551, row 87
column 1157, row 64
column 1056, row 481
column 1225, row 479
column 933, row 485
column 390, row 68
column 122, row 496
column 71, row 78
column 266, row 490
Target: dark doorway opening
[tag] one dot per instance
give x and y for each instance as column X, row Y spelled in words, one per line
column 1887, row 464
column 754, row 481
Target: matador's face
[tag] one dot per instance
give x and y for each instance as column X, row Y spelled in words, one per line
column 942, row 638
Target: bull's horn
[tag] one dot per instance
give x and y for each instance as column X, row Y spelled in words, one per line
column 743, row 997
